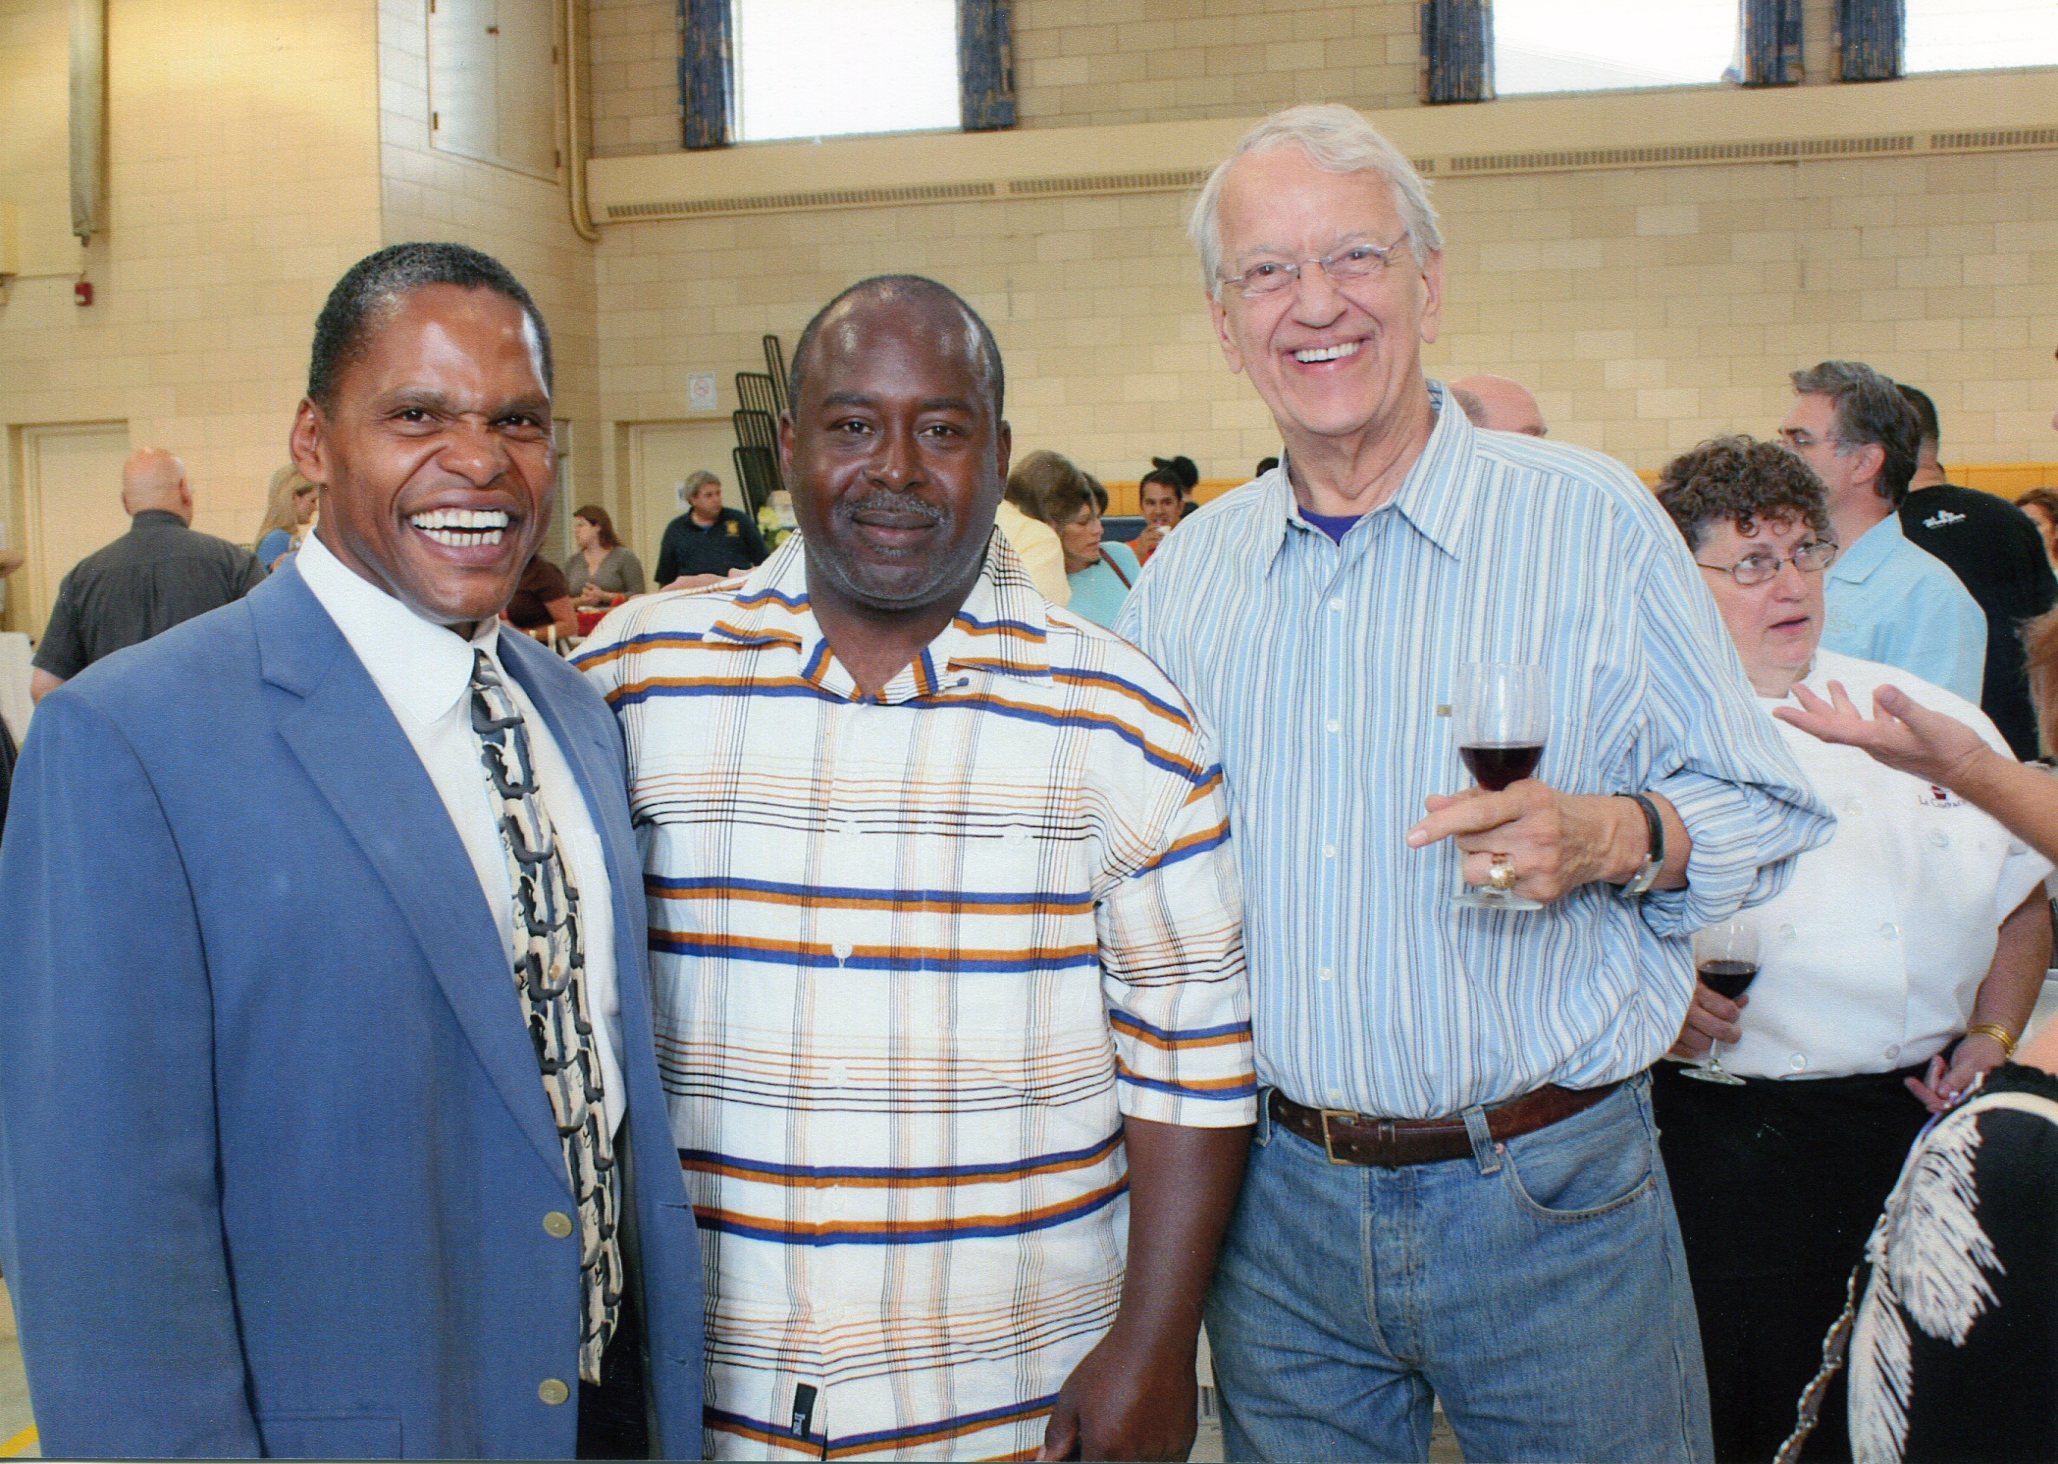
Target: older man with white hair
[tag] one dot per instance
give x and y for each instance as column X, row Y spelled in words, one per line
column 1455, row 1191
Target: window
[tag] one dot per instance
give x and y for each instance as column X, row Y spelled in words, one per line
column 1608, row 45
column 1977, row 35
column 825, row 68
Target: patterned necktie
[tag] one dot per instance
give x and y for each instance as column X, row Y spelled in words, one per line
column 550, row 970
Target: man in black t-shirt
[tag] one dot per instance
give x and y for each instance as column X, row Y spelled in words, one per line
column 1995, row 550
column 157, row 574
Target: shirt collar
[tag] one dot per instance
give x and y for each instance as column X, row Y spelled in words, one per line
column 156, row 517
column 1433, row 496
column 1001, row 627
column 1873, row 548
column 418, row 665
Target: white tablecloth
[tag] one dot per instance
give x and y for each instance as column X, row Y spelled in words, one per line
column 14, row 683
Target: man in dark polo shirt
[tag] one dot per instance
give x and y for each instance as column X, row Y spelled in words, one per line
column 707, row 539
column 157, row 574
column 1995, row 550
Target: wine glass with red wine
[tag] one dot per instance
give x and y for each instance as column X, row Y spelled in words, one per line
column 1501, row 711
column 1726, row 960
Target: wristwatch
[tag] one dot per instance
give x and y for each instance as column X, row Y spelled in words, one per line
column 1647, row 872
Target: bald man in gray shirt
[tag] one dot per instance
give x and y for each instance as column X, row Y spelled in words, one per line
column 157, row 574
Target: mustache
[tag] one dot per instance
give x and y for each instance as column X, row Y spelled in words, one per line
column 887, row 500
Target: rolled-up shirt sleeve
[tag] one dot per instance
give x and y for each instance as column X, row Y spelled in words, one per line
column 1716, row 755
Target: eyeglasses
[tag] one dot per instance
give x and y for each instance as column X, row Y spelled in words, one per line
column 1797, row 438
column 1812, row 557
column 1353, row 262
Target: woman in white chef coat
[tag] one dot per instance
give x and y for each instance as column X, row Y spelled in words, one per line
column 1899, row 964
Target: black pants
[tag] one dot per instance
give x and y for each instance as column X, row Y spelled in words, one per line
column 1777, row 1185
column 613, row 1417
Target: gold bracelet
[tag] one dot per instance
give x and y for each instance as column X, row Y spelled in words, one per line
column 1996, row 1031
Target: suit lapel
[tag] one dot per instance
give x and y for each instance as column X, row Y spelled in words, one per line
column 357, row 756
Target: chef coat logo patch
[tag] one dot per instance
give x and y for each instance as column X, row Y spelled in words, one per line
column 1935, row 795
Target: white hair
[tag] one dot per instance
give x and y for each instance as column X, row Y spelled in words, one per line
column 1337, row 140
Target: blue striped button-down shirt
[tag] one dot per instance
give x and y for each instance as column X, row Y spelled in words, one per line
column 1321, row 668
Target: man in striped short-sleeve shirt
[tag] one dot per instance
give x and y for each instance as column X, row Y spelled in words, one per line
column 945, row 943
column 1454, row 1190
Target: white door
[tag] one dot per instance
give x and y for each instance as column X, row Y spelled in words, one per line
column 71, row 501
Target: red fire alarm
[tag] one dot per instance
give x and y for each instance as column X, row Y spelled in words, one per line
column 82, row 293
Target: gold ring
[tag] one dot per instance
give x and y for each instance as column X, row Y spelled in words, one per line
column 1500, row 874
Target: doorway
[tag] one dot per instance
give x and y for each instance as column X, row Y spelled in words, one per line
column 70, row 477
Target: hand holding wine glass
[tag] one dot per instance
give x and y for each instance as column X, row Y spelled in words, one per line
column 1726, row 961
column 1502, row 712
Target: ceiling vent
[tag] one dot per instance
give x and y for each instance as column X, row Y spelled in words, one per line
column 697, row 208
column 1108, row 183
column 1676, row 155
column 1994, row 141
column 1449, row 166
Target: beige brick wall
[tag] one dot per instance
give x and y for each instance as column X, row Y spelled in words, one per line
column 1092, row 63
column 1649, row 308
column 633, row 70
column 521, row 220
column 242, row 179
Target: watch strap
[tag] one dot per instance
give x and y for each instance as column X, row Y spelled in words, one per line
column 1647, row 873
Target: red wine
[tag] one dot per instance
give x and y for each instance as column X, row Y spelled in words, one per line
column 1728, row 978
column 1497, row 764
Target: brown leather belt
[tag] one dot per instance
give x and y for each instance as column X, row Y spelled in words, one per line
column 1356, row 1138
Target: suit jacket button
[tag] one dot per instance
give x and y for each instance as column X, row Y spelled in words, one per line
column 553, row 1391
column 557, row 1223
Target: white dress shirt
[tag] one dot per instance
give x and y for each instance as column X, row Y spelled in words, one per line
column 424, row 671
column 1871, row 958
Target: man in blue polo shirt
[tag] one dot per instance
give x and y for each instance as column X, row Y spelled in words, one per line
column 1887, row 600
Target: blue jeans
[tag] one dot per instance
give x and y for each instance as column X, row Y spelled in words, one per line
column 1538, row 1288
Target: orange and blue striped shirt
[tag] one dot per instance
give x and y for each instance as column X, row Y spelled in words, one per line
column 914, row 958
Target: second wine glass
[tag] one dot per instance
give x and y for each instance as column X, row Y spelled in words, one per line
column 1726, row 961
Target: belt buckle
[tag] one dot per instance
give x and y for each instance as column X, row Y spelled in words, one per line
column 1328, row 1139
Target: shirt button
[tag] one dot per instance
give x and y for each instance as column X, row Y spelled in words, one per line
column 1334, row 725
column 1797, row 1062
column 553, row 1391
column 557, row 1223
column 1893, row 1051
column 841, row 950
column 1889, row 931
column 1327, row 974
column 839, row 1075
column 1336, row 1097
column 1787, row 932
column 1336, row 602
column 1939, row 838
column 1015, row 836
column 1855, row 807
column 1329, row 851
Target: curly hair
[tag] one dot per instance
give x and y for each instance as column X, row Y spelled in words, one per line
column 1743, row 480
